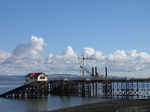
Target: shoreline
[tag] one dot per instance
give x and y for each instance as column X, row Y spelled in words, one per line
column 109, row 106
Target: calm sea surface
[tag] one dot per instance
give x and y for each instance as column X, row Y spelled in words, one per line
column 52, row 102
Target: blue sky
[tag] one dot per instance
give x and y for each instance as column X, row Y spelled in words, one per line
column 103, row 25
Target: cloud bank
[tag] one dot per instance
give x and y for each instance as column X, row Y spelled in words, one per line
column 26, row 57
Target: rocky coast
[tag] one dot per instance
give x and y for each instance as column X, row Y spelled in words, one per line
column 110, row 106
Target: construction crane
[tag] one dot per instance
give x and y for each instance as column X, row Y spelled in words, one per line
column 83, row 58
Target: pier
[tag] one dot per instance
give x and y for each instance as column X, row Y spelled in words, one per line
column 37, row 85
column 83, row 87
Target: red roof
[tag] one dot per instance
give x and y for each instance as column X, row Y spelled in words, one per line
column 35, row 74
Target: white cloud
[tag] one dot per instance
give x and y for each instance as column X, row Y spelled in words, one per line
column 26, row 57
column 69, row 52
column 3, row 55
column 65, row 63
column 87, row 52
column 30, row 49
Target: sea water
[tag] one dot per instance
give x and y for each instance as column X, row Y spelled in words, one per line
column 52, row 102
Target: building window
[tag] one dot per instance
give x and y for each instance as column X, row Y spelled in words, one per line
column 31, row 77
column 42, row 77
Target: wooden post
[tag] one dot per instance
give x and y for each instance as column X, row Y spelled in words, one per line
column 83, row 88
column 105, row 71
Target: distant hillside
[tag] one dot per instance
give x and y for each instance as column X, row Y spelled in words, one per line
column 11, row 79
column 63, row 76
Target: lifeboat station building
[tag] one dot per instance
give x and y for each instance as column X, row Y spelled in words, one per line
column 32, row 77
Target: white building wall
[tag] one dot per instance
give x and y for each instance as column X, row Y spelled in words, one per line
column 42, row 77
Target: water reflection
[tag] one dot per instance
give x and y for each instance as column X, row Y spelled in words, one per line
column 36, row 104
column 65, row 101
